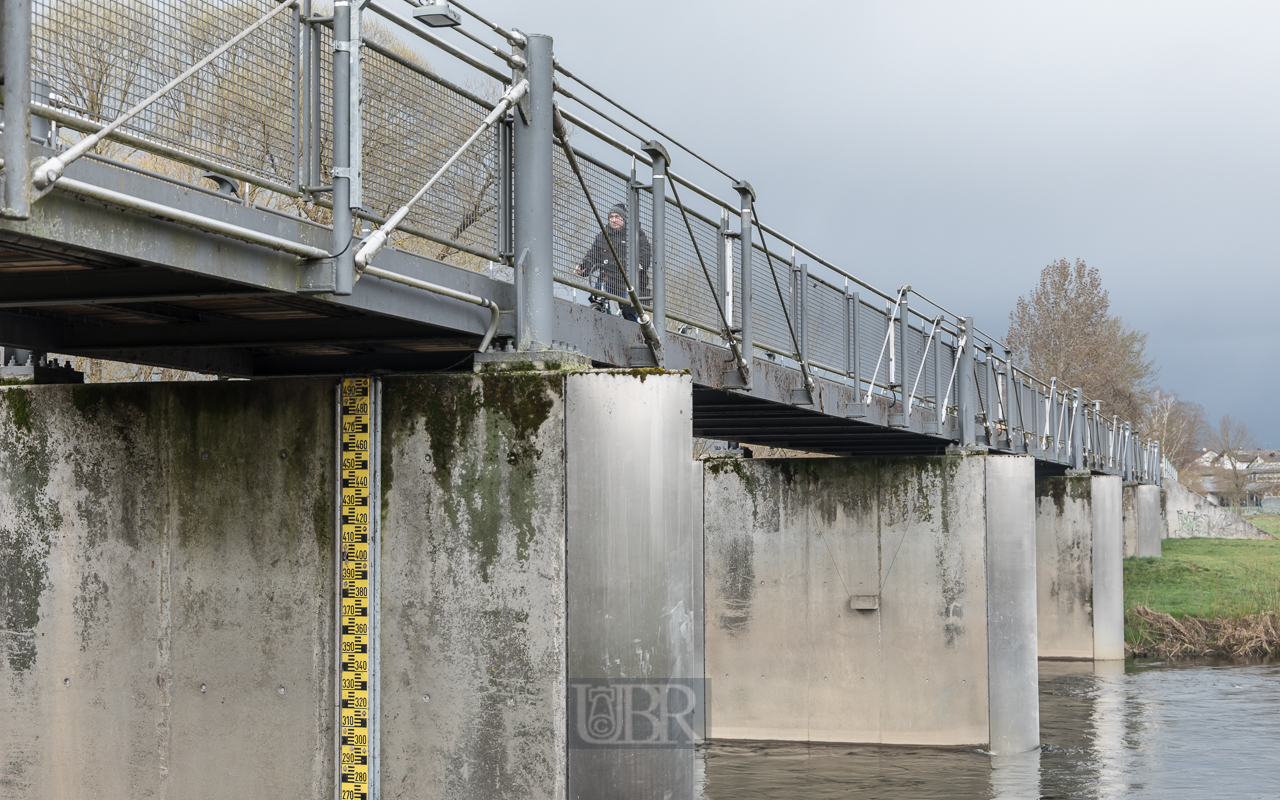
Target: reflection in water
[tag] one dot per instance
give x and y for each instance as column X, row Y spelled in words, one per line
column 1167, row 731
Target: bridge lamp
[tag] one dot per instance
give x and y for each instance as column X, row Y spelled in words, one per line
column 437, row 14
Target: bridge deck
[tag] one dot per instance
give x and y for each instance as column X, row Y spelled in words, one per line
column 85, row 279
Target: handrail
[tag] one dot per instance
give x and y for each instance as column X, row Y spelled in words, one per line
column 187, row 218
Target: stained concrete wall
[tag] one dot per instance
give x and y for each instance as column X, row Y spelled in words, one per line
column 1143, row 520
column 1189, row 515
column 166, row 590
column 1064, row 566
column 788, row 542
column 473, row 586
column 1080, row 582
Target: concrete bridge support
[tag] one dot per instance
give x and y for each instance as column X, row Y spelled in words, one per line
column 1143, row 520
column 886, row 600
column 1079, row 575
column 167, row 590
column 168, row 584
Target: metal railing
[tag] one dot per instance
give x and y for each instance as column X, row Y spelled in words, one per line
column 262, row 113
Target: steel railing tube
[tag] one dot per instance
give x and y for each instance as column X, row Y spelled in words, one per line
column 965, row 387
column 747, row 196
column 494, row 313
column 658, row 226
column 534, row 138
column 15, row 28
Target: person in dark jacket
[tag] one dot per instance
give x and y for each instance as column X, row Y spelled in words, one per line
column 598, row 262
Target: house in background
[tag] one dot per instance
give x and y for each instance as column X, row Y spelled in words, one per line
column 1251, row 479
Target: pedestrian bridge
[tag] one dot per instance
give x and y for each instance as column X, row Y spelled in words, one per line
column 270, row 190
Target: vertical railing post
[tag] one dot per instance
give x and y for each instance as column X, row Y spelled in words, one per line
column 1037, row 444
column 658, row 226
column 1096, row 445
column 802, row 314
column 15, row 32
column 939, row 383
column 505, row 200
column 632, row 256
column 746, row 196
column 1126, row 464
column 852, row 353
column 534, row 276
column 1112, row 441
column 990, row 395
column 305, row 79
column 1012, row 400
column 1055, row 415
column 346, row 51
column 795, row 303
column 1077, row 430
column 1157, row 461
column 723, row 271
column 902, row 375
column 965, row 387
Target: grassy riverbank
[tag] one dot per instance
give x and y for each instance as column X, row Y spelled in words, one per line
column 1268, row 522
column 1204, row 597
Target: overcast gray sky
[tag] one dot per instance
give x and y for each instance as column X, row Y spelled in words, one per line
column 960, row 147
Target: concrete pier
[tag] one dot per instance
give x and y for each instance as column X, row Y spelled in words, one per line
column 866, row 600
column 1144, row 522
column 168, row 591
column 1080, row 580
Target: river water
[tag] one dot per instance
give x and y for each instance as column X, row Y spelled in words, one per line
column 1150, row 730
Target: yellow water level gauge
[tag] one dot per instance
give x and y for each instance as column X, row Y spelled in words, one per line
column 357, row 592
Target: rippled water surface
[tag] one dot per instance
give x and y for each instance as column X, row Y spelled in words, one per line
column 1166, row 731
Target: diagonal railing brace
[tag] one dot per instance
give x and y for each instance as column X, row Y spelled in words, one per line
column 378, row 239
column 646, row 322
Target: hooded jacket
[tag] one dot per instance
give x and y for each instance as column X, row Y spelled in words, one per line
column 598, row 258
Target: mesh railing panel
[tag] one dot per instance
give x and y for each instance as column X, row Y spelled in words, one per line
column 826, row 312
column 914, row 354
column 574, row 228
column 768, row 323
column 947, row 354
column 871, row 335
column 412, row 125
column 688, row 294
column 102, row 57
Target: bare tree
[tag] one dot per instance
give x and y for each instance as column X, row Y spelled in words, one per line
column 1063, row 328
column 1178, row 425
column 1232, row 438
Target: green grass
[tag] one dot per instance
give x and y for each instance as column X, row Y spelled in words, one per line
column 1268, row 522
column 1221, row 578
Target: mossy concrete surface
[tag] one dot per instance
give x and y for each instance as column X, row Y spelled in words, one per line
column 166, row 590
column 1079, row 581
column 473, row 585
column 1064, row 566
column 789, row 542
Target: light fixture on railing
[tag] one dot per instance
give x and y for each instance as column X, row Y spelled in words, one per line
column 437, row 15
